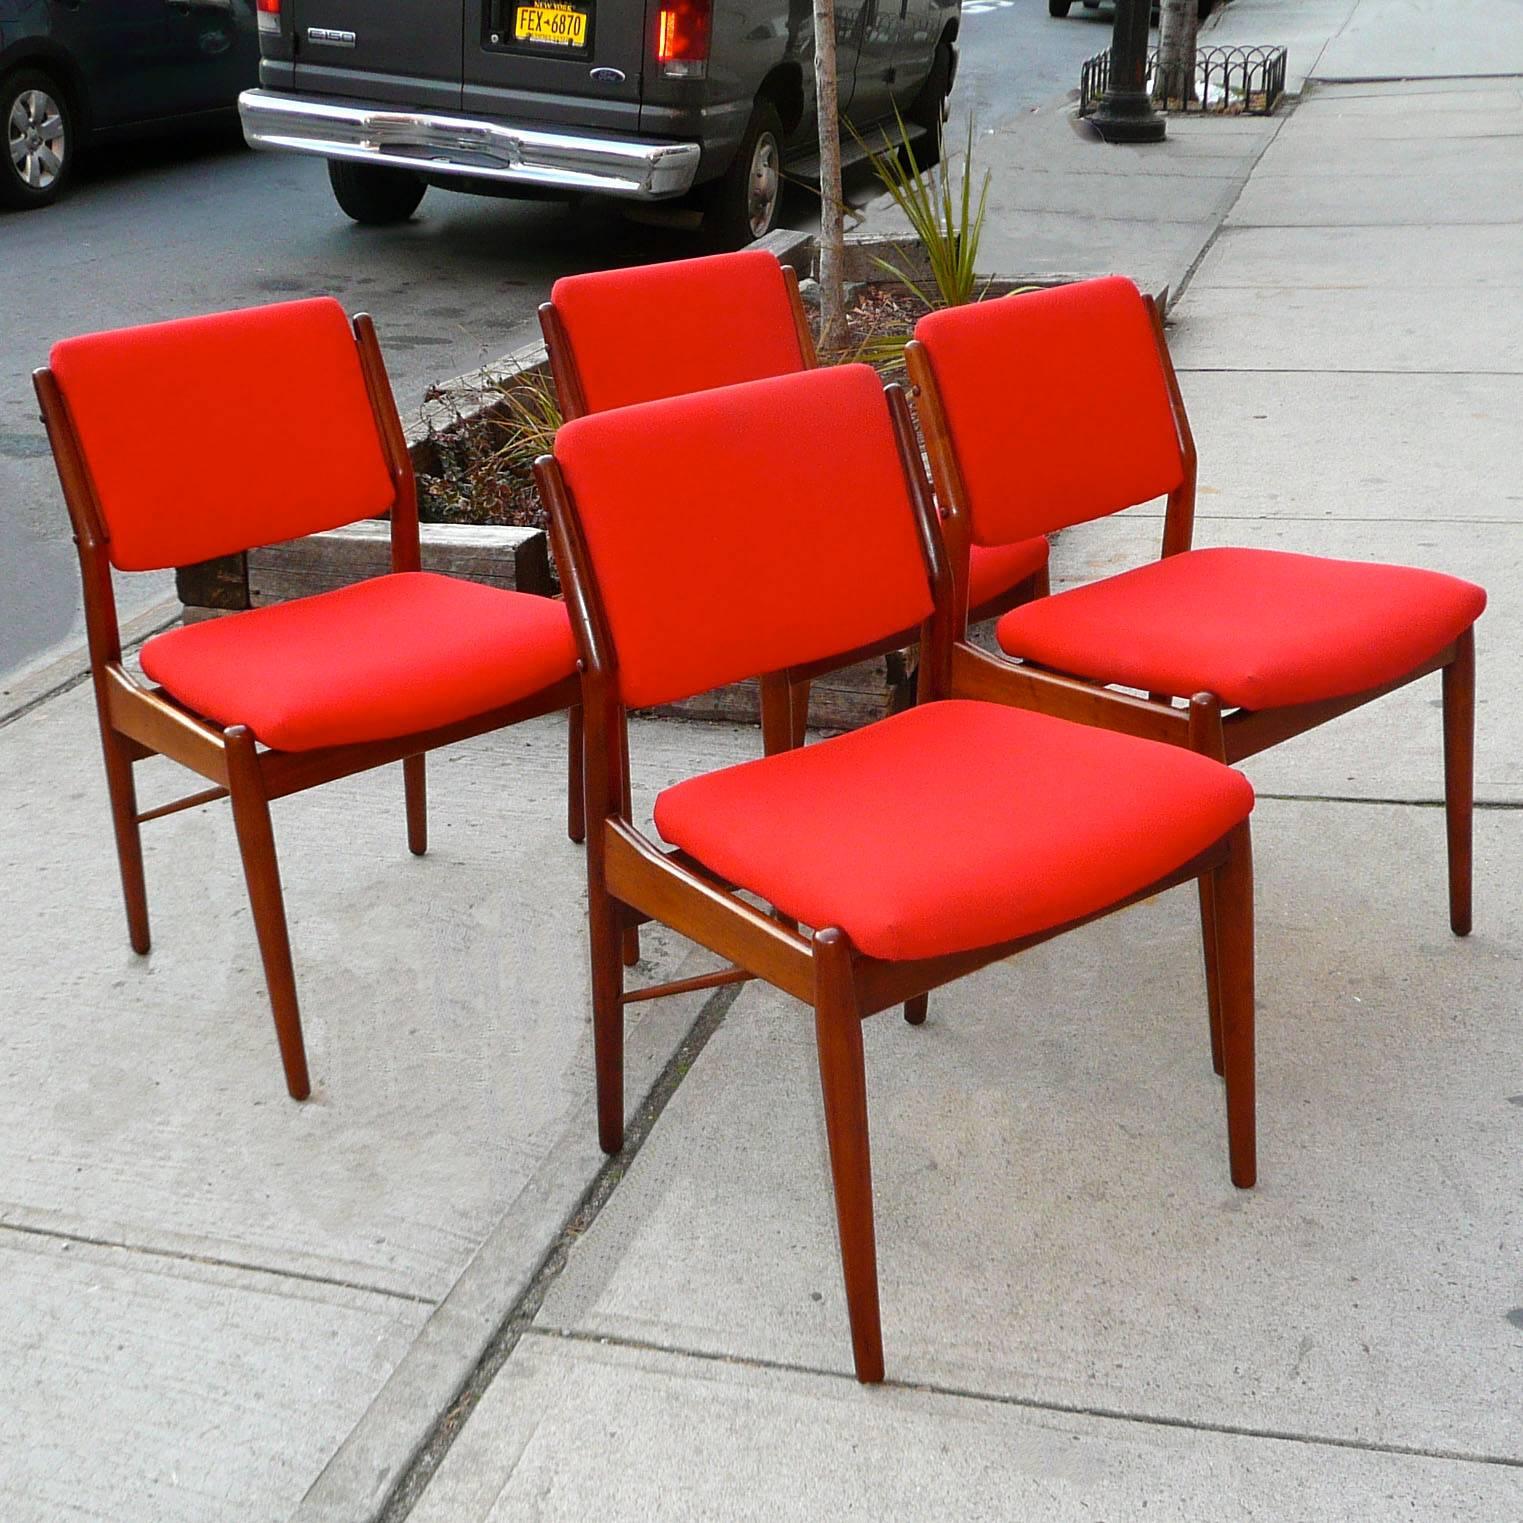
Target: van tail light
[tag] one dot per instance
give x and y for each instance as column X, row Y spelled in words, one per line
column 682, row 38
column 269, row 15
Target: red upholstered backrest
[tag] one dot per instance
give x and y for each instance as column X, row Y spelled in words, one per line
column 740, row 531
column 667, row 329
column 1057, row 404
column 214, row 434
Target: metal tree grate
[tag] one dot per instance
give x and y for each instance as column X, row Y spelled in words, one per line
column 1246, row 81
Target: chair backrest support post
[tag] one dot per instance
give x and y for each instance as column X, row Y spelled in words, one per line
column 406, row 553
column 102, row 631
column 604, row 715
column 563, row 371
column 951, row 502
column 1179, row 516
column 941, row 629
column 810, row 354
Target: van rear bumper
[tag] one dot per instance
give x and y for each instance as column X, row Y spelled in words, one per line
column 436, row 143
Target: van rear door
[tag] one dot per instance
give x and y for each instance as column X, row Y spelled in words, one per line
column 406, row 51
column 573, row 63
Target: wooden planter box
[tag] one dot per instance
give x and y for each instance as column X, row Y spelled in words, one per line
column 519, row 558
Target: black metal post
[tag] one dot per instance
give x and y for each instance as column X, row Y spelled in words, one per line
column 1126, row 113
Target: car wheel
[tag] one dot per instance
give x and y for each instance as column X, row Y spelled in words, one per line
column 39, row 139
column 929, row 108
column 373, row 195
column 1058, row 8
column 742, row 205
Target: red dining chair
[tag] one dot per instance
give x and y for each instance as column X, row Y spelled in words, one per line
column 287, row 426
column 1008, row 827
column 1236, row 649
column 619, row 337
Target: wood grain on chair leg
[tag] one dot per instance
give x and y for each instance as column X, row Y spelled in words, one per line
column 256, row 840
column 630, row 939
column 1207, row 889
column 1208, row 738
column 916, row 1010
column 776, row 713
column 798, row 708
column 1459, row 777
column 415, row 784
column 1234, row 931
column 607, row 1010
column 576, row 775
column 129, row 840
column 843, row 1084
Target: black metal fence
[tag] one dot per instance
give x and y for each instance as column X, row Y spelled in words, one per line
column 1248, row 81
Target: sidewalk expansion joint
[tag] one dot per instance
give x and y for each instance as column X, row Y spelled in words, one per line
column 416, row 1476
column 214, row 1261
column 1496, row 806
column 1033, row 1404
column 1216, row 232
column 1330, row 369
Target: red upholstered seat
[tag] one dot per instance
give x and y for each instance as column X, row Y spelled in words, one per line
column 1259, row 628
column 955, row 825
column 663, row 330
column 391, row 656
column 995, row 569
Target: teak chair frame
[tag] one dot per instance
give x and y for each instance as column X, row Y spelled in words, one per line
column 139, row 720
column 784, row 695
column 1203, row 723
column 632, row 879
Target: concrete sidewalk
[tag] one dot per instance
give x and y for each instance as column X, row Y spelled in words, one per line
column 222, row 1305
column 1083, row 1319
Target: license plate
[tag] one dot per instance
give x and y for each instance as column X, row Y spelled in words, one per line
column 558, row 26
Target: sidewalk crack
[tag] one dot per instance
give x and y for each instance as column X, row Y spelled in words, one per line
column 415, row 1477
column 215, row 1261
column 1034, row 1404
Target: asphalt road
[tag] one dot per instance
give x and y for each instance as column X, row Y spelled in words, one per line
column 170, row 229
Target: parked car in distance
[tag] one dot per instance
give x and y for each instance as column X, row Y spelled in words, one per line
column 76, row 72
column 648, row 100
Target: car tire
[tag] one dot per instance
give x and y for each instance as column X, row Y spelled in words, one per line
column 38, row 127
column 929, row 108
column 1058, row 9
column 742, row 205
column 374, row 196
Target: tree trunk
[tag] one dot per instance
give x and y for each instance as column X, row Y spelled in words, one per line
column 832, row 214
column 1179, row 22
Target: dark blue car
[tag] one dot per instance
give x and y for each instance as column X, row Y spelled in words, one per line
column 74, row 72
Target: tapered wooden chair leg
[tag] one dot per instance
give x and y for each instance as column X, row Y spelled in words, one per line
column 607, row 1014
column 415, row 784
column 916, row 1009
column 798, row 711
column 776, row 713
column 843, row 1084
column 1209, row 739
column 576, row 774
column 256, row 840
column 1234, row 936
column 1459, row 777
column 629, row 944
column 1208, row 948
column 129, row 840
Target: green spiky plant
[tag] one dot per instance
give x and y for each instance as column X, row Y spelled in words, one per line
column 948, row 224
column 941, row 212
column 530, row 414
